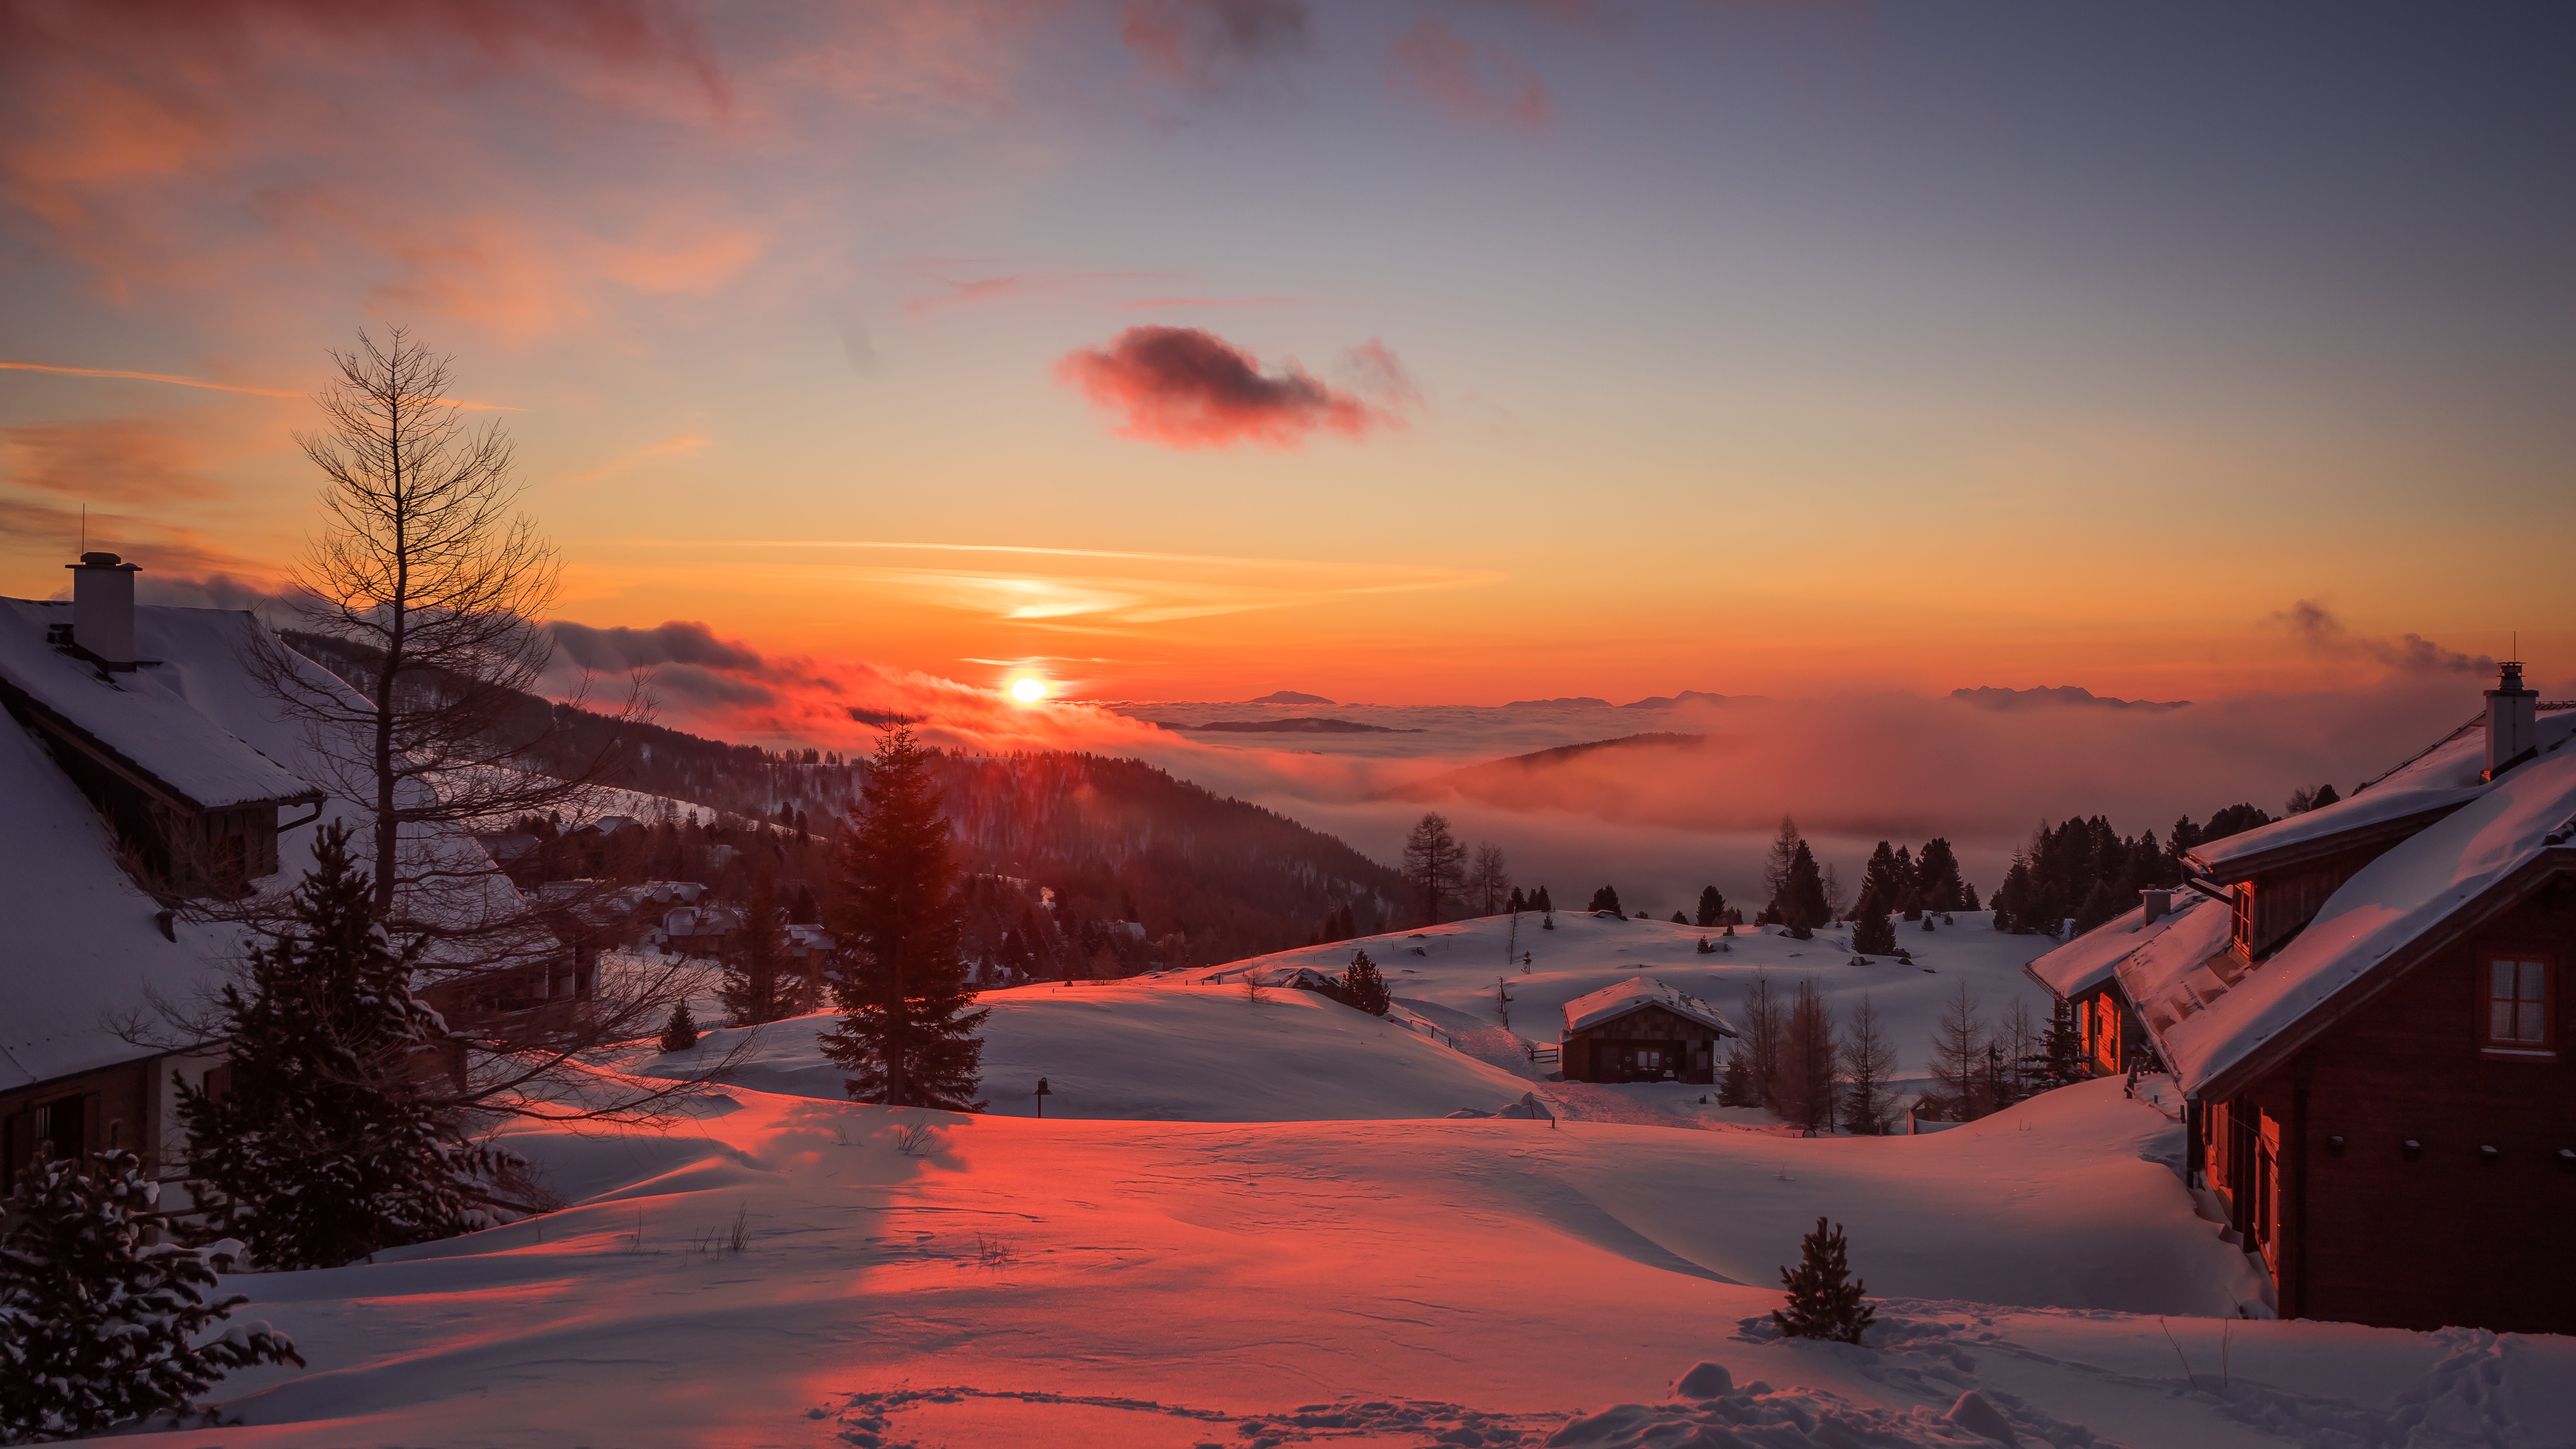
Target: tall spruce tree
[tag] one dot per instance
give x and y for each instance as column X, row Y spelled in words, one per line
column 2059, row 1058
column 759, row 981
column 1873, row 934
column 1802, row 904
column 1712, row 908
column 907, row 1033
column 322, row 1147
column 98, row 1327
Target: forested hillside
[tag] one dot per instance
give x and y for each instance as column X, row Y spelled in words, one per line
column 1079, row 844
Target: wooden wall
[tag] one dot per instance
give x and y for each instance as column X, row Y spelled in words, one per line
column 1593, row 1054
column 2444, row 1235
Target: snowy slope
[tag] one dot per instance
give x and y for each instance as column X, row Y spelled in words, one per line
column 1187, row 1046
column 1454, row 976
column 1158, row 1049
column 1138, row 1284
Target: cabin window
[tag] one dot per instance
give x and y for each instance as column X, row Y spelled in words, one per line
column 2518, row 1014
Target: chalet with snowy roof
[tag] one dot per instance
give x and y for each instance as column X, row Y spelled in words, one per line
column 2376, row 1052
column 2085, row 972
column 1641, row 1031
column 142, row 767
column 144, row 770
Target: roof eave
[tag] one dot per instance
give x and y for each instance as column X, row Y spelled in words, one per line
column 2496, row 899
column 2233, row 870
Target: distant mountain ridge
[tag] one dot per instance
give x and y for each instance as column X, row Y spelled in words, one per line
column 2064, row 696
column 1493, row 775
column 1302, row 725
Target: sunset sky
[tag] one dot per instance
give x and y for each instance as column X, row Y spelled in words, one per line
column 1411, row 353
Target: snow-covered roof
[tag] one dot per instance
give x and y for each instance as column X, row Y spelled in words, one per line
column 2442, row 778
column 2208, row 1025
column 83, row 950
column 1636, row 994
column 2090, row 959
column 144, row 716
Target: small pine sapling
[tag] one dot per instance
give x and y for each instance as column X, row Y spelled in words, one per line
column 97, row 1328
column 682, row 1032
column 1824, row 1299
column 1547, row 922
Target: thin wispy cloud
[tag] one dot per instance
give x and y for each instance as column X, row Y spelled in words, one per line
column 126, row 376
column 678, row 446
column 119, row 374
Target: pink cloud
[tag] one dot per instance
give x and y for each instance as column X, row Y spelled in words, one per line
column 1201, row 43
column 1187, row 388
column 1438, row 65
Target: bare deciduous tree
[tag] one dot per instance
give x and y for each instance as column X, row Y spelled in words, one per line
column 1959, row 1054
column 433, row 585
column 1489, row 879
column 1433, row 862
column 1867, row 1062
column 424, row 594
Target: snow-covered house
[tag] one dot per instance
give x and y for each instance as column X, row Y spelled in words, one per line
column 1641, row 1030
column 2376, row 1053
column 141, row 766
column 2086, row 973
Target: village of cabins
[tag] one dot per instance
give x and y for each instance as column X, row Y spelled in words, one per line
column 2364, row 1005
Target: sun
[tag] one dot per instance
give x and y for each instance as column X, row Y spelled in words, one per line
column 1028, row 689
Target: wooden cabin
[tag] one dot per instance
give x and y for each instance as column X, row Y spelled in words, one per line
column 2084, row 973
column 2376, row 1052
column 141, row 765
column 1641, row 1031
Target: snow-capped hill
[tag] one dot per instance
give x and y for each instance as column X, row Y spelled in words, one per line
column 1492, row 971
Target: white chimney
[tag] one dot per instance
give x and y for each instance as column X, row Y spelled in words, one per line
column 2513, row 720
column 103, row 608
column 2156, row 904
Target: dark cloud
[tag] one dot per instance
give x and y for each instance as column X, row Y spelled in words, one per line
column 680, row 641
column 1205, row 43
column 1185, row 388
column 2329, row 638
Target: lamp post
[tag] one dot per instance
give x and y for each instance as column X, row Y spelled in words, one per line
column 1042, row 1094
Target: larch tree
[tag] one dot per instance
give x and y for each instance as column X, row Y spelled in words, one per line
column 1489, row 879
column 1959, row 1054
column 1433, row 863
column 1868, row 1061
column 1775, row 868
column 429, row 586
column 907, row 1036
column 1804, row 1083
column 416, row 675
column 1760, row 1045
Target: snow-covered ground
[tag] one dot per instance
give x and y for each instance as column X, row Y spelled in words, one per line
column 1190, row 1046
column 1139, row 1283
column 1250, row 1222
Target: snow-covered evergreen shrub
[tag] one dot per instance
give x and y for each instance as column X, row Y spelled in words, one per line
column 96, row 1326
column 1824, row 1299
column 682, row 1031
column 324, row 1146
column 1364, row 987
